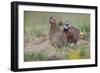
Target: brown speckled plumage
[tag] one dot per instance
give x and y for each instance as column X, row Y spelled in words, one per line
column 56, row 36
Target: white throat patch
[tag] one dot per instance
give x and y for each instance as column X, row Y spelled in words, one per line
column 66, row 27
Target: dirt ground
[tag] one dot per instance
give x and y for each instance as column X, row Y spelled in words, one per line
column 43, row 44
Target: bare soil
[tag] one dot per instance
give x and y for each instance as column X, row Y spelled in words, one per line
column 43, row 44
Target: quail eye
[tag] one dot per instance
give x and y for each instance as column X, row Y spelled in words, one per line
column 66, row 24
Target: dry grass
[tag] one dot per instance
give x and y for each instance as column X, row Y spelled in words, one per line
column 42, row 50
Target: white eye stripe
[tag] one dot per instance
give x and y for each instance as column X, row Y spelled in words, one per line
column 65, row 22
